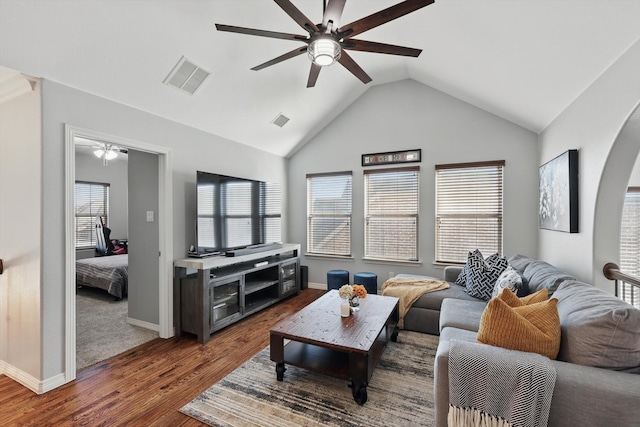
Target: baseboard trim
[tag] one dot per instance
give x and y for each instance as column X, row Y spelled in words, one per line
column 29, row 381
column 143, row 324
column 322, row 286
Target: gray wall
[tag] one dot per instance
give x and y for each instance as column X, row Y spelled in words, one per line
column 90, row 168
column 191, row 149
column 409, row 115
column 143, row 238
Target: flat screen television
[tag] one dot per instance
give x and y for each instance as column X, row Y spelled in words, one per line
column 235, row 213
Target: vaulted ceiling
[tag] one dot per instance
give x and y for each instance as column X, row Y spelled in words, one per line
column 523, row 60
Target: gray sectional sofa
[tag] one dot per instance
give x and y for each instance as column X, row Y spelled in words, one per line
column 598, row 366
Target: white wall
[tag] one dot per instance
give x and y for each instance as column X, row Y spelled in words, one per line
column 634, row 181
column 592, row 124
column 410, row 115
column 192, row 149
column 20, row 233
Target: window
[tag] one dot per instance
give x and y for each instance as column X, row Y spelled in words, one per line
column 630, row 244
column 391, row 214
column 468, row 210
column 329, row 213
column 91, row 200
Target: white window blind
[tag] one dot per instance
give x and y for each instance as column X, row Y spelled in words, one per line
column 391, row 214
column 630, row 244
column 272, row 212
column 468, row 210
column 329, row 213
column 91, row 200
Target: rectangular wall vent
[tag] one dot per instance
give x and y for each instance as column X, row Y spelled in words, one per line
column 280, row 120
column 186, row 76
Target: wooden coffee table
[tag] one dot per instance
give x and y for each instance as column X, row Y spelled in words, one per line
column 319, row 339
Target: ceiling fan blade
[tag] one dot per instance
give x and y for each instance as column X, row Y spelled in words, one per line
column 262, row 33
column 333, row 12
column 313, row 74
column 297, row 16
column 288, row 55
column 365, row 46
column 348, row 63
column 382, row 17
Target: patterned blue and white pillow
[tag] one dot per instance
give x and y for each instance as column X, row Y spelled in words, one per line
column 508, row 279
column 462, row 277
column 481, row 275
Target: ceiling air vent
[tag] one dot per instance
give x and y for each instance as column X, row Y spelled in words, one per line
column 186, row 76
column 280, row 120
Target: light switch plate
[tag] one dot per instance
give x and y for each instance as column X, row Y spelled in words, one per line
column 149, row 216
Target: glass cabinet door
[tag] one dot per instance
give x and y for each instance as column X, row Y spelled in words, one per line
column 225, row 299
column 289, row 278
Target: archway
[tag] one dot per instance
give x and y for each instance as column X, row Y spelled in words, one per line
column 611, row 191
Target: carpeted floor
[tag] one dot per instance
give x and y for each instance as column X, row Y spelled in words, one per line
column 400, row 392
column 102, row 330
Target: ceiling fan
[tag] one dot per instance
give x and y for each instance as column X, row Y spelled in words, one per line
column 101, row 150
column 328, row 42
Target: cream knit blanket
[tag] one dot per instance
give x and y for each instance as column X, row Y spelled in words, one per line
column 408, row 290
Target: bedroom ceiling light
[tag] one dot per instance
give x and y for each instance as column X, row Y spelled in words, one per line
column 108, row 152
column 324, row 51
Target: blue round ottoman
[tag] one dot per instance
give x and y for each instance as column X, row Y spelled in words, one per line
column 369, row 280
column 337, row 278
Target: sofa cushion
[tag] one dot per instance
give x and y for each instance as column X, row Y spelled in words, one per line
column 598, row 329
column 433, row 300
column 509, row 279
column 513, row 301
column 462, row 314
column 520, row 262
column 541, row 274
column 481, row 274
column 533, row 327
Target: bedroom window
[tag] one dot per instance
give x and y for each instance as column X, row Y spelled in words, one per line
column 630, row 244
column 468, row 209
column 329, row 213
column 391, row 214
column 91, row 200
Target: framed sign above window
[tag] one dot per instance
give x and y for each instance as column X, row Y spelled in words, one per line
column 391, row 157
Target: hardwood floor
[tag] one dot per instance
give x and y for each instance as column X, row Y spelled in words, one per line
column 146, row 385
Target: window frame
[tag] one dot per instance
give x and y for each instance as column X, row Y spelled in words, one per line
column 411, row 252
column 313, row 247
column 498, row 214
column 104, row 214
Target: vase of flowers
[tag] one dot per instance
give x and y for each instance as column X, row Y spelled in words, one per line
column 352, row 295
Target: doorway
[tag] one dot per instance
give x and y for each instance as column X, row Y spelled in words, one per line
column 163, row 297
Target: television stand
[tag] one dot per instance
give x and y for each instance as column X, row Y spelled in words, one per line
column 224, row 290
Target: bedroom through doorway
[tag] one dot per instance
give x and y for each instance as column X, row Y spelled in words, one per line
column 110, row 303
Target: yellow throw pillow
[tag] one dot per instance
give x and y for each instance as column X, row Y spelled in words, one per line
column 534, row 327
column 512, row 300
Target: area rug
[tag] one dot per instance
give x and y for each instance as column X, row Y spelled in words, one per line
column 400, row 392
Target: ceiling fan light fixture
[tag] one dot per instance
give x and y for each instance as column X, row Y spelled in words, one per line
column 99, row 152
column 110, row 155
column 324, row 51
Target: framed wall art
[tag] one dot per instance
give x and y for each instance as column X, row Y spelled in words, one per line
column 407, row 156
column 558, row 183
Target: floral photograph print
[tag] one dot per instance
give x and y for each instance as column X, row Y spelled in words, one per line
column 558, row 209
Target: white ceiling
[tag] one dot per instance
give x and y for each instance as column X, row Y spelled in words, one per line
column 523, row 60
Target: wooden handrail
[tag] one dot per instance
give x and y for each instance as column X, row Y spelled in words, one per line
column 612, row 272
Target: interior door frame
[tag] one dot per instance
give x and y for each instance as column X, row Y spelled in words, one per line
column 165, row 225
